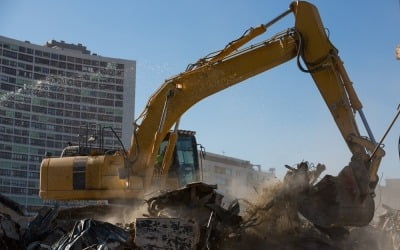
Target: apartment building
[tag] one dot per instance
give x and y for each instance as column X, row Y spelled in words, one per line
column 48, row 95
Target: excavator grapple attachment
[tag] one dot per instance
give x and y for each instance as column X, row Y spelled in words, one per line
column 344, row 200
column 329, row 204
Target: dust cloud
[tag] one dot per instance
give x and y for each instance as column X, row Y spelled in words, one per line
column 272, row 221
column 118, row 214
column 125, row 215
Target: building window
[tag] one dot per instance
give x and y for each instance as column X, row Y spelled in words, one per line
column 4, row 189
column 106, row 102
column 25, row 58
column 42, row 61
column 219, row 170
column 18, row 173
column 33, row 175
column 38, row 52
column 5, row 155
column 10, row 54
column 37, row 76
column 119, row 88
column 33, row 191
column 22, row 49
column 15, row 190
column 9, row 71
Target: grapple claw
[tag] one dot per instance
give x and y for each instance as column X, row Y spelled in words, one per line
column 339, row 201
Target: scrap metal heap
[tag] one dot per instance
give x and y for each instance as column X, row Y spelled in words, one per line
column 198, row 217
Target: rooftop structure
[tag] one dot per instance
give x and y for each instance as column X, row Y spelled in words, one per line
column 63, row 45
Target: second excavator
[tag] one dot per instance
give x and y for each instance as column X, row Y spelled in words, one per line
column 344, row 200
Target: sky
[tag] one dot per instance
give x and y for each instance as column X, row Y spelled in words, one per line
column 272, row 119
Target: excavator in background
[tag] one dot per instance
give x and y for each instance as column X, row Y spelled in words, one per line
column 343, row 200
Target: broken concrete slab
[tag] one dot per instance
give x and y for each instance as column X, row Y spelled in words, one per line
column 166, row 233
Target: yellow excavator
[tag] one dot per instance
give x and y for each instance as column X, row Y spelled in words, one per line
column 344, row 200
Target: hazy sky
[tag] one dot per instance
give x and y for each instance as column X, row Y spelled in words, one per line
column 273, row 119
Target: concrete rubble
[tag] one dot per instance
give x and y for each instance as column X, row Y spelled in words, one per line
column 196, row 217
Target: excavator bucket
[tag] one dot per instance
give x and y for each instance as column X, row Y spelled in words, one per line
column 344, row 200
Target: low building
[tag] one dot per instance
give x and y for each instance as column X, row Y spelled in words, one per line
column 234, row 177
column 388, row 195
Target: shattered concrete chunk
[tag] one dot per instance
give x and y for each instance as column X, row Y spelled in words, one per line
column 166, row 233
column 8, row 227
column 41, row 225
column 10, row 207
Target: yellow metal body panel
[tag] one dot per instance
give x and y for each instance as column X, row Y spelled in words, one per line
column 59, row 178
column 101, row 180
column 100, row 194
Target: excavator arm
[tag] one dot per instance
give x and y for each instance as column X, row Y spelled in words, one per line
column 178, row 94
column 307, row 41
column 309, row 44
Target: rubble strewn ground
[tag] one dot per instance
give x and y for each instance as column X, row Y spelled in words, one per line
column 201, row 220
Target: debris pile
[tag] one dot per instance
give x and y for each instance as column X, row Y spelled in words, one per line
column 196, row 217
column 9, row 233
column 187, row 218
column 47, row 231
column 273, row 220
column 89, row 233
column 201, row 205
column 389, row 223
column 10, row 214
column 383, row 235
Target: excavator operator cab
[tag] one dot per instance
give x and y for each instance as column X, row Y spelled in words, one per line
column 185, row 163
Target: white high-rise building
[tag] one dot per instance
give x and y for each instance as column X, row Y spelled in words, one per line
column 50, row 94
